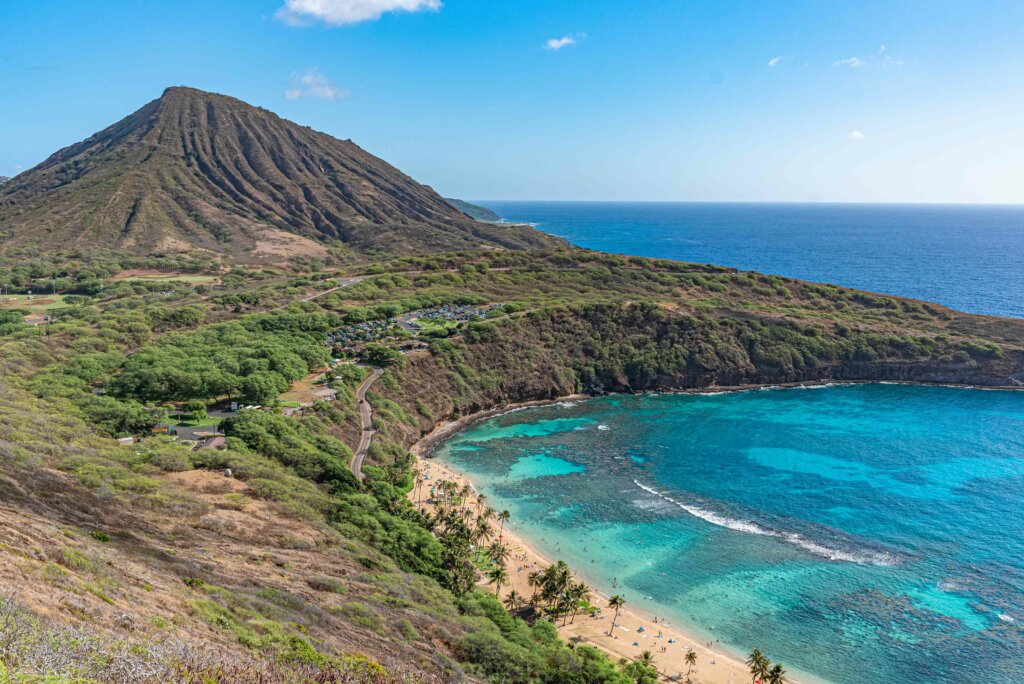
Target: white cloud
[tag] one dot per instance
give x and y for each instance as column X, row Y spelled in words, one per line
column 887, row 58
column 559, row 43
column 858, row 135
column 312, row 83
column 852, row 62
column 341, row 12
column 774, row 61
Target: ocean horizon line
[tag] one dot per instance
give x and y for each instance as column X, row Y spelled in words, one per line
column 788, row 203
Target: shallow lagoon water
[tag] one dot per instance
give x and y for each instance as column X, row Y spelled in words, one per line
column 855, row 533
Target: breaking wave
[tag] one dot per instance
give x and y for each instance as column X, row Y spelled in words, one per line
column 880, row 558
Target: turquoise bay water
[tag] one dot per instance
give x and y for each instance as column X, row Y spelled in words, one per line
column 855, row 533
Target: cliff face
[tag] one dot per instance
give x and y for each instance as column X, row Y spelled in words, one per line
column 196, row 170
column 535, row 359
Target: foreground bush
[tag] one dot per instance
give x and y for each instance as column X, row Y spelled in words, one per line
column 33, row 652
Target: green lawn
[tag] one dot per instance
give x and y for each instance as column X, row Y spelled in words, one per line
column 39, row 303
column 185, row 420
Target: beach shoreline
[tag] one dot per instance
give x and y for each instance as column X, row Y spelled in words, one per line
column 716, row 663
column 728, row 662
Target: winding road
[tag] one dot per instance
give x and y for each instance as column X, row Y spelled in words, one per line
column 365, row 420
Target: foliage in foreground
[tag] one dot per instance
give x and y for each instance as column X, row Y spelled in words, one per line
column 33, row 652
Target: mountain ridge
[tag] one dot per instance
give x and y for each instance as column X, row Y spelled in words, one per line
column 197, row 170
column 476, row 211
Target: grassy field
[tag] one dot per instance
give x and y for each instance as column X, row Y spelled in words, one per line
column 185, row 420
column 36, row 303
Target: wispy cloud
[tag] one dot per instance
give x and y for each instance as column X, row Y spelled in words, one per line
column 858, row 135
column 564, row 41
column 887, row 58
column 852, row 62
column 312, row 83
column 342, row 12
column 774, row 61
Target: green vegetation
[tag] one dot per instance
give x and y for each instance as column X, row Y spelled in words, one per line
column 124, row 357
column 253, row 359
column 169, row 277
column 761, row 668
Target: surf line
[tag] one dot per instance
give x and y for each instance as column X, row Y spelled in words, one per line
column 750, row 527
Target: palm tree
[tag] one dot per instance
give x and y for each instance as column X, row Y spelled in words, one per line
column 646, row 658
column 502, row 517
column 535, row 580
column 513, row 600
column 758, row 664
column 499, row 552
column 580, row 593
column 691, row 660
column 481, row 531
column 777, row 675
column 498, row 576
column 615, row 602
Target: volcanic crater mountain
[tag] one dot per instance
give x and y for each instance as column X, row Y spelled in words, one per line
column 194, row 169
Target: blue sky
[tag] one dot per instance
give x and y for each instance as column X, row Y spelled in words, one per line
column 907, row 101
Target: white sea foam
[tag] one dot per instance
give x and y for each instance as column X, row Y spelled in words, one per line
column 603, row 427
column 515, row 409
column 750, row 527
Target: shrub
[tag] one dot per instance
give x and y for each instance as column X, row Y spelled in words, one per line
column 328, row 584
column 171, row 460
column 407, row 630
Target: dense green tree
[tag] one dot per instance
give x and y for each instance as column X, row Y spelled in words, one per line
column 196, row 410
column 379, row 355
column 263, row 388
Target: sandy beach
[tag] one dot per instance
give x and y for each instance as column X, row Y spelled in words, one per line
column 635, row 631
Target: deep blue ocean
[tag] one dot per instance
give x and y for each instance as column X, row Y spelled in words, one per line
column 870, row 533
column 970, row 258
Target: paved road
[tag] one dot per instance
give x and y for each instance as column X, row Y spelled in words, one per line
column 365, row 419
